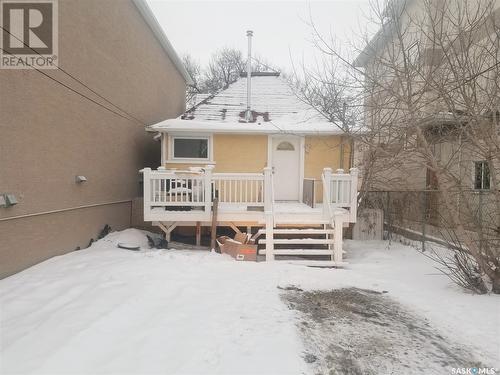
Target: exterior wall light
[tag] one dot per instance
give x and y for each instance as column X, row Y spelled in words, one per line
column 7, row 200
column 80, row 179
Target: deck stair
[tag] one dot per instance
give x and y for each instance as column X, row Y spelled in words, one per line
column 299, row 242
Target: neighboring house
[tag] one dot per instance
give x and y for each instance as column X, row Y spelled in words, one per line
column 267, row 166
column 432, row 52
column 384, row 55
column 50, row 134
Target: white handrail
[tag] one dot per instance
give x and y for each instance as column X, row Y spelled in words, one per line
column 340, row 190
column 326, row 190
column 239, row 188
column 170, row 187
column 238, row 175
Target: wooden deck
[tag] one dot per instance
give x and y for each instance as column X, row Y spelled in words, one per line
column 173, row 197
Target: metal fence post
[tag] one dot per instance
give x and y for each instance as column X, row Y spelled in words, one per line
column 480, row 220
column 387, row 215
column 423, row 202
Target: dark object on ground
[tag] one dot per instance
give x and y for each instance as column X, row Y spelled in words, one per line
column 127, row 246
column 157, row 243
column 151, row 241
column 104, row 232
column 310, row 358
column 365, row 332
column 290, row 287
column 91, row 242
column 163, row 244
column 77, row 248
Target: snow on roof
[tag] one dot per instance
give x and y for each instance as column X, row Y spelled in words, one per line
column 275, row 107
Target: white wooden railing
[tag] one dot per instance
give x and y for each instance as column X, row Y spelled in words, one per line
column 340, row 190
column 176, row 189
column 167, row 188
column 269, row 212
column 239, row 188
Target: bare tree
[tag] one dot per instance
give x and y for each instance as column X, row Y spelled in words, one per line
column 261, row 64
column 194, row 69
column 431, row 92
column 223, row 69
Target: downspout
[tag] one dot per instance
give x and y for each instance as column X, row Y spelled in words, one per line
column 248, row 113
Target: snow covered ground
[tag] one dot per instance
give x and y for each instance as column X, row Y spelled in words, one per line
column 108, row 310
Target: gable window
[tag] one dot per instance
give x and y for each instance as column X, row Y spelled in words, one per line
column 285, row 146
column 191, row 148
column 481, row 175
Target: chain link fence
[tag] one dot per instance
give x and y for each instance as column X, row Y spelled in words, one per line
column 423, row 216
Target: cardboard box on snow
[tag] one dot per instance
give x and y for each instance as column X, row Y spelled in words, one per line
column 238, row 250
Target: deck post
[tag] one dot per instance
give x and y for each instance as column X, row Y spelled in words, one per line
column 208, row 190
column 167, row 231
column 269, row 237
column 268, row 213
column 337, row 248
column 198, row 233
column 146, row 184
column 268, row 189
column 354, row 194
column 327, row 177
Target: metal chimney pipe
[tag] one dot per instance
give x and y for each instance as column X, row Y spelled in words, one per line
column 248, row 114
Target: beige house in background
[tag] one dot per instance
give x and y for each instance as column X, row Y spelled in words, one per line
column 274, row 163
column 130, row 76
column 455, row 50
column 425, row 59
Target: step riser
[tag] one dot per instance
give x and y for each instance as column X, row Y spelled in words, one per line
column 300, row 231
column 299, row 241
column 309, row 242
column 298, row 252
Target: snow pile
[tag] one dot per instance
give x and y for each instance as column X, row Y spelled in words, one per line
column 128, row 236
column 108, row 310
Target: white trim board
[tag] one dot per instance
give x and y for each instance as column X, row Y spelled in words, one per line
column 194, row 126
column 148, row 16
column 170, row 149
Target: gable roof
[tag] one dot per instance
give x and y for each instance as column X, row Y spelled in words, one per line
column 384, row 34
column 155, row 27
column 275, row 107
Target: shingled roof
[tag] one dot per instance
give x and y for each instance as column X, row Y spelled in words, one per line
column 272, row 99
column 274, row 106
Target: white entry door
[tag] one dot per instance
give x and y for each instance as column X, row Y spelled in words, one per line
column 286, row 168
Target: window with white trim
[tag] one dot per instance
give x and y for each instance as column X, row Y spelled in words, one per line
column 481, row 175
column 191, row 148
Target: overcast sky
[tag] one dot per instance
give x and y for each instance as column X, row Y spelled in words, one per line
column 280, row 27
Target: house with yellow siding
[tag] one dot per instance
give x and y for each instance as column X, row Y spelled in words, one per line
column 272, row 163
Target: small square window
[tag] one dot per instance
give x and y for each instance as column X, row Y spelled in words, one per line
column 190, row 148
column 481, row 175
